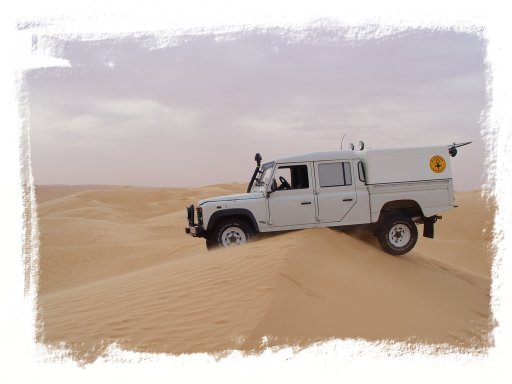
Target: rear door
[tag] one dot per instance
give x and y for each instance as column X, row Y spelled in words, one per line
column 335, row 190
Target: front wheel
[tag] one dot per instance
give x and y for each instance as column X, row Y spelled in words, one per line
column 230, row 233
column 398, row 234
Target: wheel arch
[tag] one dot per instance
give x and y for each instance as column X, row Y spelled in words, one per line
column 409, row 208
column 233, row 213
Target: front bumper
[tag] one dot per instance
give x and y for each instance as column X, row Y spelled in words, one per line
column 193, row 229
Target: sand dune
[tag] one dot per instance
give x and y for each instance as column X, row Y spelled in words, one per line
column 116, row 266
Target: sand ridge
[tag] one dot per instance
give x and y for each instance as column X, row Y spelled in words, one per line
column 116, row 266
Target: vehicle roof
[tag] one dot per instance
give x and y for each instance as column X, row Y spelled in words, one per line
column 319, row 156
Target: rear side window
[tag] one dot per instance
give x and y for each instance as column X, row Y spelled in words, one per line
column 360, row 170
column 334, row 174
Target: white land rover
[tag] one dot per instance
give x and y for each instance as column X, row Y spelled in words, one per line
column 388, row 191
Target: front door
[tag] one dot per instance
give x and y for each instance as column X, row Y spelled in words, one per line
column 291, row 201
column 336, row 191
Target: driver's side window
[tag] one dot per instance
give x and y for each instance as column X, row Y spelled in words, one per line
column 291, row 177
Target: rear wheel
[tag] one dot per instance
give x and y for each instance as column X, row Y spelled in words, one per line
column 398, row 234
column 229, row 233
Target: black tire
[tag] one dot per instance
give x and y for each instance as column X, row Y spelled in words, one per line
column 229, row 233
column 397, row 234
column 210, row 245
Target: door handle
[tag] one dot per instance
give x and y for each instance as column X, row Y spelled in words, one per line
column 305, row 203
column 348, row 199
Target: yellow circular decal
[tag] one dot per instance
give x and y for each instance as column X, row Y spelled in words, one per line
column 437, row 164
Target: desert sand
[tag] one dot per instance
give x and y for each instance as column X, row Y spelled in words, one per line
column 115, row 266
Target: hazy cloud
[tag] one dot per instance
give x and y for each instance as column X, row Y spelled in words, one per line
column 125, row 113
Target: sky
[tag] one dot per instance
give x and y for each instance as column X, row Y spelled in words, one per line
column 135, row 111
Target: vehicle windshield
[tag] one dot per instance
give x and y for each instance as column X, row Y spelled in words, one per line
column 263, row 178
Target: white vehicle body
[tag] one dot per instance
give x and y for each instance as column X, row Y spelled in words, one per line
column 332, row 189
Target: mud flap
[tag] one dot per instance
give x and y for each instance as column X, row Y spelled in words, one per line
column 428, row 226
column 428, row 229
